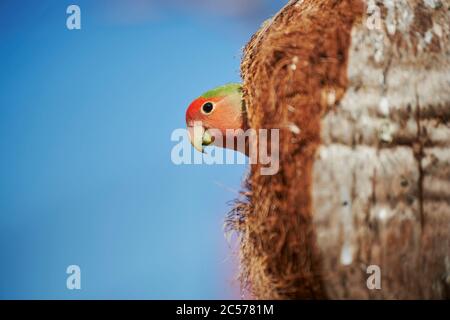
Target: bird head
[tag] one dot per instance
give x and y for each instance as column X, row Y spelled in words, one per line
column 220, row 109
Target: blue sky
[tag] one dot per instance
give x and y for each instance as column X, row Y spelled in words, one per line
column 85, row 171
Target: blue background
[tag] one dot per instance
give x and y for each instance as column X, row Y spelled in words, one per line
column 86, row 176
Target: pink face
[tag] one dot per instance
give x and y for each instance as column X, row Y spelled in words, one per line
column 204, row 110
column 207, row 116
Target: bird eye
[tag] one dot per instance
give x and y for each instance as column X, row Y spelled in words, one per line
column 207, row 108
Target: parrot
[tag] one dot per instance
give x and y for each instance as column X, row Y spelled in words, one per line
column 221, row 108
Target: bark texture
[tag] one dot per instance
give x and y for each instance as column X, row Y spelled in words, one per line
column 360, row 91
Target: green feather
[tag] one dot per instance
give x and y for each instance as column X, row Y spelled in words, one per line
column 223, row 91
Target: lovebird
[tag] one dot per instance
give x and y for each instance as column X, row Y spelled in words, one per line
column 221, row 108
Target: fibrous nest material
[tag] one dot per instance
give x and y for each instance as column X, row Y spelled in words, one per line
column 363, row 107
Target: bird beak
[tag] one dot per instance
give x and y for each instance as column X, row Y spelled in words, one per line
column 200, row 137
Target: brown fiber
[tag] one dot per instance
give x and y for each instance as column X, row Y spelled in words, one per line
column 287, row 66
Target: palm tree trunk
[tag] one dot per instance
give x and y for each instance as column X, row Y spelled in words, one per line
column 364, row 180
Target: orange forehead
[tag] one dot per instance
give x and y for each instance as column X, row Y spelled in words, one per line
column 193, row 111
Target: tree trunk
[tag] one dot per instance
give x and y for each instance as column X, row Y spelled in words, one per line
column 360, row 91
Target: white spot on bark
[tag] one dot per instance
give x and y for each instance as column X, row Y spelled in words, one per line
column 383, row 106
column 365, row 120
column 390, row 18
column 428, row 36
column 391, row 28
column 323, row 153
column 294, row 128
column 433, row 4
column 382, row 214
column 373, row 21
column 293, row 65
column 346, row 254
column 291, row 108
column 299, row 3
column 437, row 30
column 331, row 97
column 386, row 132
